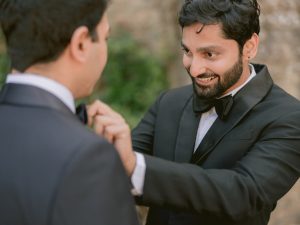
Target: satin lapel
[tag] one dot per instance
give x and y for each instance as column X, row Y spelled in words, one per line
column 31, row 96
column 244, row 101
column 186, row 135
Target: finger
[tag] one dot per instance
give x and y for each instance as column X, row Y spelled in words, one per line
column 108, row 135
column 118, row 131
column 109, row 120
column 96, row 108
column 100, row 108
column 106, row 126
column 90, row 121
column 98, row 127
column 92, row 112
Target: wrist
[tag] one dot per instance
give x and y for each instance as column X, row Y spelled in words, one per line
column 130, row 164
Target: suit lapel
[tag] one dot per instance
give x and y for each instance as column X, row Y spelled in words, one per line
column 244, row 101
column 27, row 95
column 186, row 135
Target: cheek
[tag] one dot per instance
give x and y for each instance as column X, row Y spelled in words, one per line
column 103, row 55
column 186, row 61
column 220, row 66
column 103, row 49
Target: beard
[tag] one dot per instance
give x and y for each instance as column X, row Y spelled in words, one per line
column 229, row 78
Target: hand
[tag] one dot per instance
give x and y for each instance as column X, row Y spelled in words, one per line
column 111, row 125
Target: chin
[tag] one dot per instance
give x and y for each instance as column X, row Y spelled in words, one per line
column 82, row 94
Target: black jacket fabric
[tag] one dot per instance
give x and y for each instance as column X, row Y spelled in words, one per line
column 242, row 167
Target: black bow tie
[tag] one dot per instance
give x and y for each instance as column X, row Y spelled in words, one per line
column 222, row 105
column 82, row 113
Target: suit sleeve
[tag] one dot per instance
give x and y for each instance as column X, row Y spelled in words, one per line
column 255, row 183
column 94, row 189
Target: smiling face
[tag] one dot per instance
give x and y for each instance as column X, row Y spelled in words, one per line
column 214, row 63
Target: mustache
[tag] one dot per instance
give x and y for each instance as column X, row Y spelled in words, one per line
column 202, row 75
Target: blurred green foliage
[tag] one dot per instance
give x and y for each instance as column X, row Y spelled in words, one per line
column 3, row 68
column 4, row 63
column 132, row 78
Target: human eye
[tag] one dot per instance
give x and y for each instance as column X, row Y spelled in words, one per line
column 185, row 50
column 210, row 54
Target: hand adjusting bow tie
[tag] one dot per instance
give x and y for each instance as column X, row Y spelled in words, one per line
column 81, row 113
column 222, row 105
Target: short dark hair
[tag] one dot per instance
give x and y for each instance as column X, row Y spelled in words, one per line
column 38, row 31
column 239, row 18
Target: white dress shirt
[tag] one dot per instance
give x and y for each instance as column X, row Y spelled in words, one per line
column 206, row 121
column 51, row 86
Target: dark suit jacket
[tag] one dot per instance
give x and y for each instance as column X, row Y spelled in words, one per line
column 241, row 168
column 53, row 170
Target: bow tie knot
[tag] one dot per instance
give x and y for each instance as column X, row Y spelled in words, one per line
column 81, row 113
column 222, row 105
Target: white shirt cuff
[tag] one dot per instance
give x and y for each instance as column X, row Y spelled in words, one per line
column 138, row 176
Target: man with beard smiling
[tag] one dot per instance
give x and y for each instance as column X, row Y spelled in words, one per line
column 225, row 149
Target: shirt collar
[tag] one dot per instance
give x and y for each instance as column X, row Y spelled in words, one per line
column 51, row 86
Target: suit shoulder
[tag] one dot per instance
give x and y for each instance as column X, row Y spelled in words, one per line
column 283, row 99
column 278, row 106
column 70, row 136
column 88, row 140
column 183, row 91
column 177, row 95
column 95, row 146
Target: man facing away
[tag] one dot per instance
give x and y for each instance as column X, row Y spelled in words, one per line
column 53, row 170
column 225, row 148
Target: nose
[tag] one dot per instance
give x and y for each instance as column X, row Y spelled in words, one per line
column 197, row 67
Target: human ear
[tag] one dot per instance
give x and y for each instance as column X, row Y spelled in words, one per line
column 79, row 44
column 251, row 47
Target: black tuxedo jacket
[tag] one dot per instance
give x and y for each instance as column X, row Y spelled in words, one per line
column 53, row 170
column 241, row 168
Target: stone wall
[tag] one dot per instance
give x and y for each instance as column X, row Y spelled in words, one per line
column 280, row 38
column 154, row 23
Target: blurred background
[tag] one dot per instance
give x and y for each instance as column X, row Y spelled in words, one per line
column 145, row 58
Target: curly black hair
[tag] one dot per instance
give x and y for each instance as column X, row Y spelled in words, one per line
column 239, row 18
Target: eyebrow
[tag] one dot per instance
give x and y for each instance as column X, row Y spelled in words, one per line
column 204, row 49
column 200, row 29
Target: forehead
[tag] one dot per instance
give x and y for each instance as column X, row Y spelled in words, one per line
column 202, row 35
